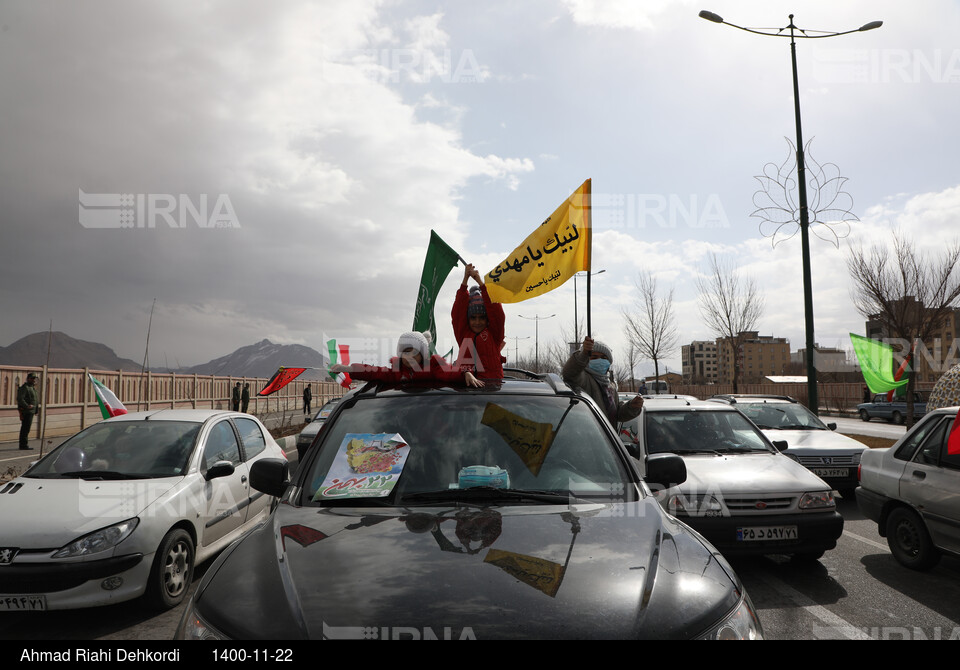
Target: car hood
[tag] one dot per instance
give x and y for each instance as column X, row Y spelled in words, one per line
column 815, row 439
column 571, row 572
column 49, row 513
column 748, row 474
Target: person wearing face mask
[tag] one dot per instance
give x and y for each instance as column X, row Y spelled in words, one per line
column 587, row 369
column 413, row 349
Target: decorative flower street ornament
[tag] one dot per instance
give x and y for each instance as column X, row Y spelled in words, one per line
column 829, row 206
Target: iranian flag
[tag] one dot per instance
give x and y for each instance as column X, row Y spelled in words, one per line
column 110, row 405
column 339, row 354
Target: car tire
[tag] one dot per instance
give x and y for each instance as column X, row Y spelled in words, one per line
column 172, row 570
column 864, row 416
column 909, row 540
column 897, row 418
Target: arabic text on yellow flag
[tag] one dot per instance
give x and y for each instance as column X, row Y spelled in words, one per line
column 554, row 252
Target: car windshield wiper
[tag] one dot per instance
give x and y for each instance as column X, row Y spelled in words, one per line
column 799, row 427
column 101, row 474
column 488, row 494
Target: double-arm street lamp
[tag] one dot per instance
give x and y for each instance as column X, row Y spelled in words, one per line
column 804, row 216
column 538, row 319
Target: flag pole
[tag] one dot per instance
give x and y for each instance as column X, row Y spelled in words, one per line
column 588, row 205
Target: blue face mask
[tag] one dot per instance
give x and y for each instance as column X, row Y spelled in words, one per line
column 599, row 365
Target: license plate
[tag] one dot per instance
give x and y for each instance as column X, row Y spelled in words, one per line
column 830, row 472
column 22, row 603
column 766, row 533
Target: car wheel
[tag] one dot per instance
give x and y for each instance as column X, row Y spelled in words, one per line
column 172, row 570
column 909, row 540
column 864, row 416
column 897, row 418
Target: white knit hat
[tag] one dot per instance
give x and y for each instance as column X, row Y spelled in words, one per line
column 415, row 340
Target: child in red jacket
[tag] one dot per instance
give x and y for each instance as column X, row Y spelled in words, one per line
column 478, row 325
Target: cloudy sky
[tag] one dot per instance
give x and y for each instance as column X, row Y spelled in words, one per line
column 277, row 167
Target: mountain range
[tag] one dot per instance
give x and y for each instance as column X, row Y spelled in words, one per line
column 59, row 350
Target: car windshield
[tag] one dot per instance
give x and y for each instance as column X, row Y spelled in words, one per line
column 783, row 416
column 122, row 450
column 702, row 432
column 444, row 448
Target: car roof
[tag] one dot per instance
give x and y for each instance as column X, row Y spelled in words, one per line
column 674, row 404
column 734, row 398
column 188, row 415
column 522, row 382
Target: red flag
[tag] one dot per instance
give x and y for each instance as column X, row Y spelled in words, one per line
column 281, row 378
column 953, row 442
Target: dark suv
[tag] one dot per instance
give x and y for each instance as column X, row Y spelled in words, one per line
column 435, row 512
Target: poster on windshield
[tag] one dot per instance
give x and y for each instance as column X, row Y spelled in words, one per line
column 367, row 465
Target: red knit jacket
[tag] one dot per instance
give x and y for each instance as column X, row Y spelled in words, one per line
column 482, row 357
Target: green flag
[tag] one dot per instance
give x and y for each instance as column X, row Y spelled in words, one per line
column 876, row 363
column 436, row 266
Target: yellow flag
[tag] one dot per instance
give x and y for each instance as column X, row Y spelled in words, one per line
column 554, row 252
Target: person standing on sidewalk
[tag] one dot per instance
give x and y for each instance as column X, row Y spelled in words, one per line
column 28, row 404
column 245, row 398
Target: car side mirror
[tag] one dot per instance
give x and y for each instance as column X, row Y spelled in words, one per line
column 219, row 469
column 270, row 476
column 665, row 470
column 781, row 445
column 832, row 426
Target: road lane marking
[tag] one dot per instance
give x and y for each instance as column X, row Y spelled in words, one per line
column 834, row 623
column 872, row 543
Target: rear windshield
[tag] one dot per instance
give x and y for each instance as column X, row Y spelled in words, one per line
column 437, row 443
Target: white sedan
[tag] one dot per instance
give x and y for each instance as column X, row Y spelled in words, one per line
column 127, row 507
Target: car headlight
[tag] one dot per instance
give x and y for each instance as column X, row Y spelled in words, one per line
column 193, row 627
column 741, row 624
column 694, row 505
column 856, row 458
column 100, row 540
column 817, row 500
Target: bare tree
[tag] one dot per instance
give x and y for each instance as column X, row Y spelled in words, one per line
column 911, row 294
column 653, row 328
column 730, row 305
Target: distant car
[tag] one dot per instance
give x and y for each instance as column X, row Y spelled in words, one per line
column 305, row 437
column 910, row 491
column 894, row 411
column 814, row 444
column 741, row 493
column 127, row 508
column 508, row 511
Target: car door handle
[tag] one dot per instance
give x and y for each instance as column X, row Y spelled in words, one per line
column 919, row 474
column 243, row 478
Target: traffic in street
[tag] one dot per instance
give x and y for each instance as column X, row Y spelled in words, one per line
column 855, row 591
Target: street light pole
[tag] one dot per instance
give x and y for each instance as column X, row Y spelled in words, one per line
column 576, row 319
column 536, row 340
column 812, row 395
column 516, row 349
